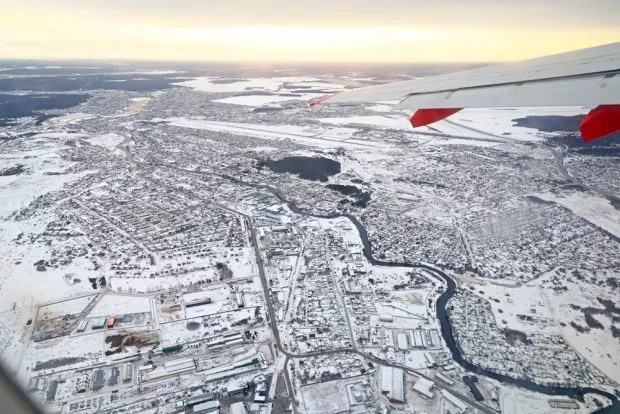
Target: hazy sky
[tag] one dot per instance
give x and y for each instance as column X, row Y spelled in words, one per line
column 307, row 30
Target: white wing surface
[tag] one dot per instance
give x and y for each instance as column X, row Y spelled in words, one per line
column 588, row 77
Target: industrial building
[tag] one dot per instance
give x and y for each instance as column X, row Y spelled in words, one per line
column 179, row 365
column 386, row 317
column 50, row 395
column 429, row 358
column 98, row 380
column 444, row 378
column 460, row 405
column 238, row 408
column 98, row 323
column 240, row 301
column 110, row 321
column 196, row 299
column 393, row 384
column 82, row 384
column 199, row 399
column 82, row 325
column 113, row 376
column 470, row 381
column 401, row 339
column 424, row 387
column 127, row 372
column 207, row 407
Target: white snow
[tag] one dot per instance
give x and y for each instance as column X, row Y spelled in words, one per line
column 259, row 100
column 311, row 135
column 266, row 84
column 114, row 304
column 106, row 140
column 380, row 108
column 396, row 122
column 594, row 209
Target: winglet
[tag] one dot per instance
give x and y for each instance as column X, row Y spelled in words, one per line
column 423, row 117
column 320, row 100
column 600, row 122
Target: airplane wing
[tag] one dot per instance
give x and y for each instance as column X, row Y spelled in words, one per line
column 588, row 77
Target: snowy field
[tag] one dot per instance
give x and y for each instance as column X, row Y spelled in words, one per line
column 106, row 140
column 86, row 349
column 113, row 304
column 260, row 100
column 594, row 209
column 326, row 397
column 597, row 345
column 66, row 307
column 321, row 137
column 218, row 85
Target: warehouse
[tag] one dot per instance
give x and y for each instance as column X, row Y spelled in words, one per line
column 179, row 365
column 98, row 380
column 196, row 299
column 238, row 408
column 198, row 399
column 470, row 381
column 82, row 326
column 113, row 376
column 207, row 407
column 98, row 323
column 127, row 372
column 50, row 395
column 424, row 387
column 458, row 403
column 401, row 339
column 392, row 384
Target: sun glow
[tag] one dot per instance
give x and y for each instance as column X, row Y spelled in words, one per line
column 57, row 34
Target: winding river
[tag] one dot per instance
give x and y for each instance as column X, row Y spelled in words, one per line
column 442, row 315
column 446, row 332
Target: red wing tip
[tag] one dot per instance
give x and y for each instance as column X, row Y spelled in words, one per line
column 423, row 117
column 319, row 100
column 600, row 122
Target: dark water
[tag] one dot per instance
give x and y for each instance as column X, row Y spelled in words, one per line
column 17, row 106
column 137, row 82
column 361, row 197
column 308, row 168
column 608, row 146
column 550, row 123
column 446, row 331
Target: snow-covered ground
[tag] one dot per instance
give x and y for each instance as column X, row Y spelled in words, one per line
column 319, row 137
column 211, row 84
column 597, row 345
column 113, row 304
column 259, row 100
column 106, row 140
column 87, row 349
column 594, row 209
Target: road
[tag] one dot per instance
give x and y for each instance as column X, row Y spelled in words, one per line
column 559, row 155
column 290, row 355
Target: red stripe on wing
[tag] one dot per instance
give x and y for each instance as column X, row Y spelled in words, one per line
column 423, row 117
column 600, row 122
column 320, row 100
